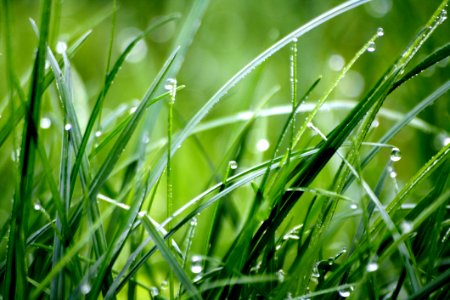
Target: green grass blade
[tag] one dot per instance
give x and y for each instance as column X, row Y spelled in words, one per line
column 170, row 259
column 15, row 276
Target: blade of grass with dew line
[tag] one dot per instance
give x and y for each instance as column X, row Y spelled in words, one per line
column 169, row 258
column 241, row 179
column 195, row 120
column 376, row 96
column 15, row 274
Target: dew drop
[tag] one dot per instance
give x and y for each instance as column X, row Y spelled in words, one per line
column 196, row 264
column 375, row 124
column 233, row 165
column 154, row 292
column 372, row 47
column 345, row 292
column 353, row 206
column 442, row 16
column 170, row 85
column 85, row 288
column 98, row 133
column 392, row 173
column 61, row 47
column 396, row 155
column 45, row 123
column 133, row 109
column 262, row 145
column 315, row 271
column 280, row 275
column 380, row 31
column 194, row 221
column 68, row 127
column 295, row 40
column 445, row 140
column 145, row 139
column 372, row 267
column 406, row 227
column 37, row 206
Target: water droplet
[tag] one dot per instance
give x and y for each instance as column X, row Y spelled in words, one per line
column 380, row 31
column 280, row 275
column 98, row 133
column 295, row 40
column 85, row 288
column 141, row 214
column 442, row 16
column 164, row 285
column 396, row 155
column 45, row 123
column 336, row 62
column 330, row 261
column 372, row 47
column 61, row 47
column 392, row 172
column 154, row 292
column 375, row 124
column 315, row 271
column 345, row 292
column 233, row 165
column 133, row 109
column 445, row 140
column 194, row 221
column 170, row 85
column 145, row 139
column 353, row 206
column 372, row 267
column 37, row 206
column 68, row 127
column 262, row 145
column 406, row 227
column 196, row 264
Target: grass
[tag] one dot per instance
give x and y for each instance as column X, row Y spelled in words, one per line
column 132, row 200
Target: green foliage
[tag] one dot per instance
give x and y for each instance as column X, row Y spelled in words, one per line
column 167, row 197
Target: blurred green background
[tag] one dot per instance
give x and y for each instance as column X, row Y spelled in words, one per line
column 232, row 33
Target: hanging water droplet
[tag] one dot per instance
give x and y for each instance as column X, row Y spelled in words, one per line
column 233, row 165
column 45, row 123
column 154, row 292
column 295, row 40
column 315, row 271
column 345, row 292
column 61, row 47
column 353, row 206
column 68, row 127
column 98, row 133
column 85, row 288
column 396, row 155
column 280, row 275
column 372, row 267
column 262, row 145
column 37, row 206
column 380, row 31
column 196, row 264
column 372, row 47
